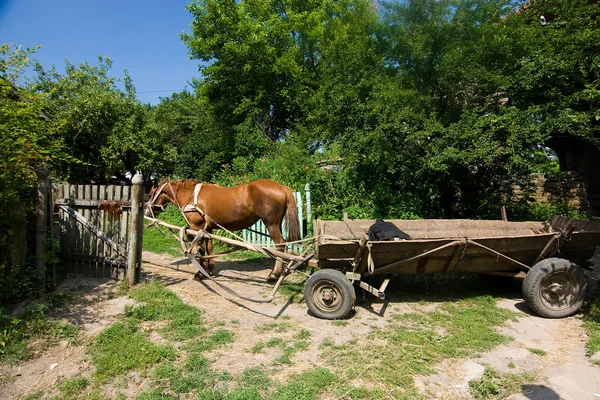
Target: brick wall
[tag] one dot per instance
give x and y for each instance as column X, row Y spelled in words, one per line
column 566, row 187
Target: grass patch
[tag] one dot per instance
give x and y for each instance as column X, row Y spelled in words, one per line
column 160, row 304
column 71, row 388
column 302, row 334
column 591, row 322
column 413, row 343
column 22, row 336
column 160, row 240
column 492, row 385
column 122, row 347
column 194, row 375
column 289, row 351
column 307, row 385
column 292, row 290
column 241, row 256
column 258, row 348
column 339, row 322
column 35, row 395
column 273, row 327
column 538, row 352
column 217, row 338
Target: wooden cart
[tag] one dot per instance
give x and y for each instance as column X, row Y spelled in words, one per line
column 549, row 255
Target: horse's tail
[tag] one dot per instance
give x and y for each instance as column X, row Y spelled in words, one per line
column 291, row 216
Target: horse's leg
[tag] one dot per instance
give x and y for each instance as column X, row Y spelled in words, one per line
column 209, row 263
column 199, row 248
column 275, row 233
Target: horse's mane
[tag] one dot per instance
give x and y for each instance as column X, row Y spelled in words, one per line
column 182, row 182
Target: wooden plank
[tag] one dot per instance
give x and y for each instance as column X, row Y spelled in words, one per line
column 459, row 252
column 80, row 232
column 124, row 231
column 81, row 219
column 101, row 223
column 389, row 268
column 72, row 227
column 92, row 260
column 110, row 224
column 94, row 243
column 86, row 203
column 62, row 220
column 438, row 229
column 117, row 216
column 87, row 236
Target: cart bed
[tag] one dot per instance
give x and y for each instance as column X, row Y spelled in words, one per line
column 467, row 245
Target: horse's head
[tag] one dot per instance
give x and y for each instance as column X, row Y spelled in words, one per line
column 157, row 199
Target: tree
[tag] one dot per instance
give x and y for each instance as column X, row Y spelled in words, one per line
column 26, row 143
column 265, row 60
column 105, row 129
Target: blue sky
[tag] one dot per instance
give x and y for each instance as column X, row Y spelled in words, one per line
column 141, row 36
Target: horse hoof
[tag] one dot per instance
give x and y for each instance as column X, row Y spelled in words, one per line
column 198, row 276
column 273, row 277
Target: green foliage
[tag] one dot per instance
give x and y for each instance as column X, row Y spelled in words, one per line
column 161, row 240
column 26, row 143
column 591, row 322
column 17, row 333
column 525, row 211
column 106, row 131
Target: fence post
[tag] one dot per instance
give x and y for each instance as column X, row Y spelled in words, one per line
column 136, row 230
column 40, row 223
column 308, row 205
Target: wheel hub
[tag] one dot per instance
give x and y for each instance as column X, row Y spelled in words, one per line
column 559, row 291
column 556, row 289
column 328, row 296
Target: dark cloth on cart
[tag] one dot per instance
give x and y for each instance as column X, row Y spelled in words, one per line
column 382, row 230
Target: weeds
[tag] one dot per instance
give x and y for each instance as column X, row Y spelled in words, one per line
column 492, row 385
column 122, row 347
column 159, row 304
column 307, row 385
column 273, row 327
column 538, row 352
column 71, row 388
column 17, row 333
column 591, row 322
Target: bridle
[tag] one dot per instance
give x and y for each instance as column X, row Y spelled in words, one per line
column 185, row 208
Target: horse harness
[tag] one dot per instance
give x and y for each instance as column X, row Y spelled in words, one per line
column 188, row 207
column 194, row 206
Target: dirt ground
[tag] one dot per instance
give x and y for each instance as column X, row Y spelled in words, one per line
column 565, row 372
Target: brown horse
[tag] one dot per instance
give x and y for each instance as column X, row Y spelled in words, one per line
column 207, row 206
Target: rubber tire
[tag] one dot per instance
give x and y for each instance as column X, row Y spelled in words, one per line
column 537, row 277
column 332, row 281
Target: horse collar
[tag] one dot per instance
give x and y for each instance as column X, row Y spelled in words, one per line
column 196, row 193
column 194, row 206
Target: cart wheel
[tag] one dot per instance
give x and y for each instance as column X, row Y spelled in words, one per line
column 555, row 288
column 329, row 294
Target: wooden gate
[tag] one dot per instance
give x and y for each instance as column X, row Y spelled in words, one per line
column 93, row 227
